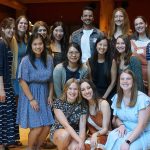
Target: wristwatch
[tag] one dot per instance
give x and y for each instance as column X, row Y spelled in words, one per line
column 128, row 142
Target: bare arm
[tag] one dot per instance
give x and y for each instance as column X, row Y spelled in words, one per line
column 113, row 79
column 142, row 122
column 64, row 122
column 2, row 91
column 104, row 107
column 28, row 93
column 82, row 127
column 51, row 91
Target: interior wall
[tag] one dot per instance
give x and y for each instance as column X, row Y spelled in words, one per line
column 6, row 12
column 69, row 13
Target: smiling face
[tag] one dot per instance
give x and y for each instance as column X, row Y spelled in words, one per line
column 102, row 46
column 72, row 92
column 140, row 25
column 37, row 47
column 119, row 18
column 86, row 91
column 87, row 17
column 9, row 31
column 73, row 55
column 120, row 45
column 23, row 25
column 43, row 31
column 58, row 33
column 126, row 81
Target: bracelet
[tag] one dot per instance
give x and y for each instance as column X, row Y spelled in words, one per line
column 120, row 124
column 31, row 100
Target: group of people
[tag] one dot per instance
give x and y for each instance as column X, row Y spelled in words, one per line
column 87, row 92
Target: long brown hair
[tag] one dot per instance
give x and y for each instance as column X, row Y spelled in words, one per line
column 128, row 52
column 26, row 35
column 125, row 26
column 134, row 91
column 66, row 87
column 6, row 23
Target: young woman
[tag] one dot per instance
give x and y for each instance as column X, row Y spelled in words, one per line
column 139, row 42
column 9, row 131
column 69, row 130
column 99, row 115
column 41, row 27
column 124, row 60
column 131, row 116
column 19, row 45
column 58, row 40
column 120, row 25
column 103, row 69
column 72, row 67
column 35, row 98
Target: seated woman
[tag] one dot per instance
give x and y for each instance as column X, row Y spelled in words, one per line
column 99, row 115
column 131, row 114
column 72, row 67
column 69, row 129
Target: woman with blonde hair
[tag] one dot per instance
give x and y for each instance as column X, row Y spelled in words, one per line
column 69, row 129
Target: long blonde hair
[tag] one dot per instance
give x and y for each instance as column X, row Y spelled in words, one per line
column 66, row 87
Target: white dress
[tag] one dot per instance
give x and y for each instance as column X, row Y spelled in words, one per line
column 129, row 117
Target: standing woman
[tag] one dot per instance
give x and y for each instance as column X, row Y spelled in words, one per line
column 35, row 78
column 120, row 25
column 124, row 60
column 72, row 67
column 131, row 110
column 19, row 46
column 99, row 115
column 41, row 27
column 58, row 42
column 103, row 69
column 9, row 131
column 69, row 130
column 139, row 42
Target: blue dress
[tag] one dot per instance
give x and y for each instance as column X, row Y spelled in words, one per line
column 129, row 117
column 38, row 81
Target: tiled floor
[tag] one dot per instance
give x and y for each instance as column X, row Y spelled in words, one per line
column 24, row 140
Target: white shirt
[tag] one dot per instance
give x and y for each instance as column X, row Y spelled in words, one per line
column 85, row 45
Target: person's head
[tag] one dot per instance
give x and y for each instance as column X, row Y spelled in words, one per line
column 119, row 19
column 88, row 90
column 37, row 48
column 101, row 47
column 127, row 84
column 141, row 26
column 22, row 24
column 123, row 47
column 87, row 16
column 22, row 28
column 7, row 28
column 58, row 32
column 71, row 92
column 41, row 28
column 74, row 55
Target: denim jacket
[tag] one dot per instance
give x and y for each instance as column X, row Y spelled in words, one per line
column 76, row 37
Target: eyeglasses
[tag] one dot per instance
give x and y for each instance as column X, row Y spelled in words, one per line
column 73, row 53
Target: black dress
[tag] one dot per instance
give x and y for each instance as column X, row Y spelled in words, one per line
column 9, row 131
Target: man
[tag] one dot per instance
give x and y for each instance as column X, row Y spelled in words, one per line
column 87, row 35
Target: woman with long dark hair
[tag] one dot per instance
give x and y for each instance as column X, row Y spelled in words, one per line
column 35, row 97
